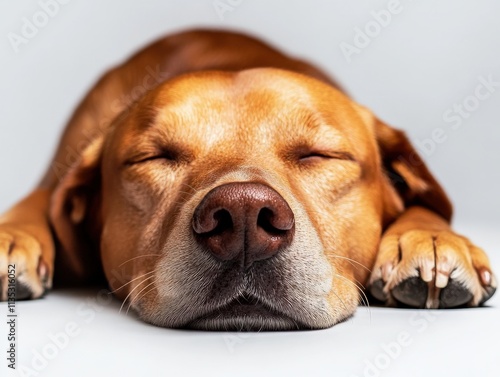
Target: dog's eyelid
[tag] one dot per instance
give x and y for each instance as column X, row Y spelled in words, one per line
column 165, row 154
column 337, row 155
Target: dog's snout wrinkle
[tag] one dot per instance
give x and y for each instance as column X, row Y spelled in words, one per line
column 243, row 220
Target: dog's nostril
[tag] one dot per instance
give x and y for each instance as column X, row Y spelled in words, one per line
column 224, row 221
column 217, row 222
column 273, row 223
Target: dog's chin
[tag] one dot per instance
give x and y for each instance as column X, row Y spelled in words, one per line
column 242, row 314
column 244, row 323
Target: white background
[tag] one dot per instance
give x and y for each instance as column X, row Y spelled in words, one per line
column 427, row 58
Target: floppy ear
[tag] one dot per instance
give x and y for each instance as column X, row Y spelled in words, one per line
column 74, row 215
column 408, row 173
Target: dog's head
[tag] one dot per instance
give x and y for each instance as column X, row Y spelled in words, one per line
column 249, row 200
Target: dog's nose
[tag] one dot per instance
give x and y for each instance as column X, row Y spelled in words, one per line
column 243, row 220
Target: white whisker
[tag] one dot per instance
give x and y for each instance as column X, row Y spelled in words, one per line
column 138, row 295
column 134, row 279
column 362, row 293
column 140, row 256
column 352, row 261
column 137, row 286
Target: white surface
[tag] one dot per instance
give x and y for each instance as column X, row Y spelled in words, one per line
column 455, row 343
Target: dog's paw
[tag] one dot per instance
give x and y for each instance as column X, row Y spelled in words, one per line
column 22, row 265
column 426, row 269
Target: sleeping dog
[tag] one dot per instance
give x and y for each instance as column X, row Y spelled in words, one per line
column 220, row 184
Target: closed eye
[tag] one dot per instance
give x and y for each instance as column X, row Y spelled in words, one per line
column 312, row 156
column 164, row 155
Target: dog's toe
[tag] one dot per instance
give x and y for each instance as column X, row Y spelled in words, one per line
column 454, row 294
column 22, row 269
column 23, row 291
column 412, row 292
column 488, row 293
column 377, row 290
